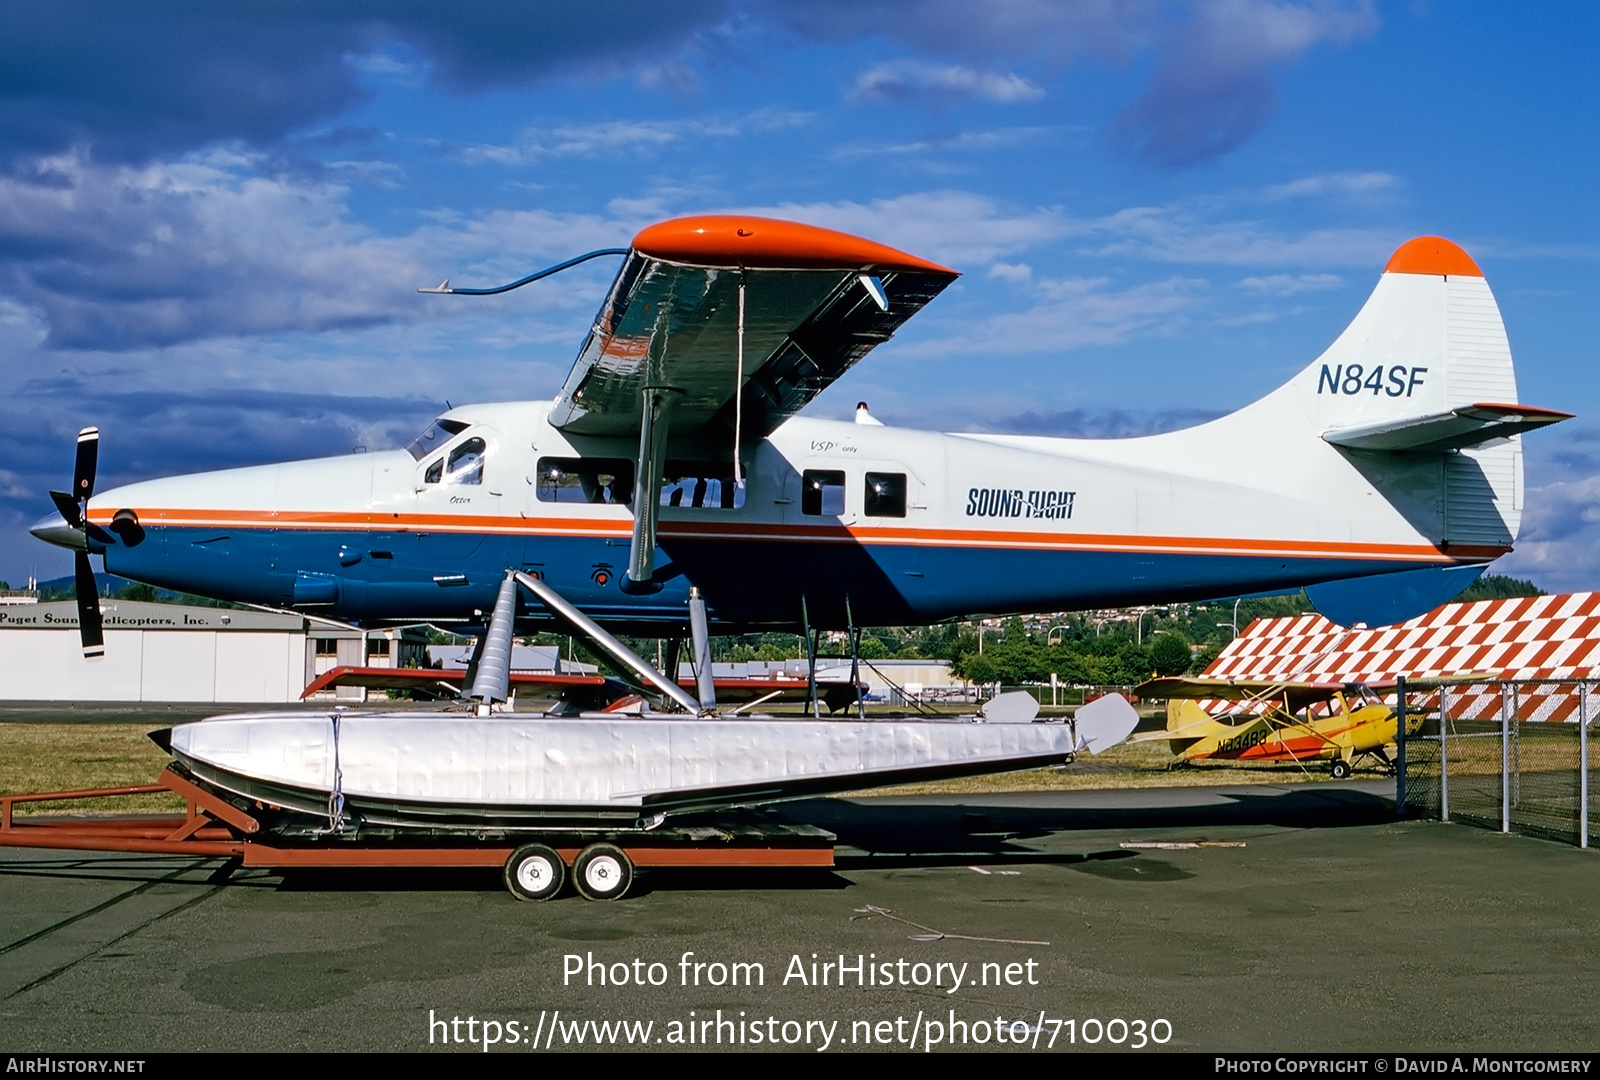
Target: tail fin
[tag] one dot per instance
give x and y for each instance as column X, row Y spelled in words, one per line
column 1419, row 395
column 1428, row 340
column 1188, row 724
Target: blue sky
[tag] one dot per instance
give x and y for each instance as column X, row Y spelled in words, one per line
column 213, row 217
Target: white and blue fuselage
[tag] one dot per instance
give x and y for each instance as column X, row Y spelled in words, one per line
column 838, row 523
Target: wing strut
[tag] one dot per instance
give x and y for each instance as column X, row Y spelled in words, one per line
column 647, row 490
column 738, row 396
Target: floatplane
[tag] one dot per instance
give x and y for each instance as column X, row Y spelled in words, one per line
column 672, row 490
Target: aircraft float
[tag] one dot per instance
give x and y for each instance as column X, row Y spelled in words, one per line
column 671, row 490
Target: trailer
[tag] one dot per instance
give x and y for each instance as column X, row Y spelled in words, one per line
column 536, row 864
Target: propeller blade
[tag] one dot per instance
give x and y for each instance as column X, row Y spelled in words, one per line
column 67, row 507
column 88, row 459
column 94, row 640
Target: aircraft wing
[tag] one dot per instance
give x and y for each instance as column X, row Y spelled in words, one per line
column 1296, row 695
column 814, row 302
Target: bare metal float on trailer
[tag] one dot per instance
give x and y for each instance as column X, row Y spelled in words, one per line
column 540, row 793
column 596, row 793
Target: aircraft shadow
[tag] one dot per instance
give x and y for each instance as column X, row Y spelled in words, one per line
column 989, row 824
column 873, row 834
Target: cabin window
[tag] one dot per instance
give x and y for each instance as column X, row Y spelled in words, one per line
column 434, row 436
column 822, row 492
column 607, row 481
column 885, row 495
column 700, row 483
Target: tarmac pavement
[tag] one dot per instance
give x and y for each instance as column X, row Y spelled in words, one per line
column 1330, row 928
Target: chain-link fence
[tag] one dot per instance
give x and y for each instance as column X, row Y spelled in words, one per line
column 1506, row 755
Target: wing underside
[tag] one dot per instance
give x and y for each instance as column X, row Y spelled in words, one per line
column 813, row 303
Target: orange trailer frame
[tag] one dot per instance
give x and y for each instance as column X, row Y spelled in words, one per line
column 212, row 827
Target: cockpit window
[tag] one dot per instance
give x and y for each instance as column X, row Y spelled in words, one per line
column 434, row 436
column 465, row 465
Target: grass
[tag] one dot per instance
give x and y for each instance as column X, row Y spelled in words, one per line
column 65, row 757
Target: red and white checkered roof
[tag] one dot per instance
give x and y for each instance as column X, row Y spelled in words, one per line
column 1540, row 637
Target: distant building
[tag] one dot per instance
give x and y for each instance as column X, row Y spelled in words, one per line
column 543, row 659
column 894, row 681
column 175, row 653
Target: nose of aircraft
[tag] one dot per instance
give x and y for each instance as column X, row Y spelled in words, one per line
column 53, row 529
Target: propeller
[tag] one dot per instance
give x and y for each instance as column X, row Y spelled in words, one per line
column 73, row 509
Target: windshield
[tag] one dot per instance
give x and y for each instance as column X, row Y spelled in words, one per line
column 434, row 436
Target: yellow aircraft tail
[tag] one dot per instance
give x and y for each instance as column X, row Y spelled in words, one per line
column 1188, row 723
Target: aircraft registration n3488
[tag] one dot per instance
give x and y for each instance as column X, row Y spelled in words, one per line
column 1383, row 477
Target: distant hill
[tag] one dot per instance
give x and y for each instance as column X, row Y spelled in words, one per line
column 1497, row 587
column 66, row 588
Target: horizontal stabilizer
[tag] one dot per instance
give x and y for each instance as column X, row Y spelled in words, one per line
column 1467, row 425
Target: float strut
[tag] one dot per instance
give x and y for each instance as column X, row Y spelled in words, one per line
column 855, row 659
column 811, row 657
column 567, row 613
column 492, row 680
column 701, row 643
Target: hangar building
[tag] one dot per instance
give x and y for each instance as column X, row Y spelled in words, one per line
column 175, row 653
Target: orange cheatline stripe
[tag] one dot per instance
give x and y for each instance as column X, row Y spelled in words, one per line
column 622, row 526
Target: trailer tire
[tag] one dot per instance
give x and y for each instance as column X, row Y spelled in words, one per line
column 535, row 872
column 602, row 872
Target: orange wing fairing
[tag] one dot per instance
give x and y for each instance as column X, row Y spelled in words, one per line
column 736, row 240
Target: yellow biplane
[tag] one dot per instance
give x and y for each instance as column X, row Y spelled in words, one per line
column 1278, row 721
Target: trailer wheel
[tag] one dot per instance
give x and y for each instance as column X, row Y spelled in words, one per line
column 535, row 872
column 1340, row 769
column 602, row 872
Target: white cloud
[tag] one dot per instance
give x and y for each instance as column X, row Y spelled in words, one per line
column 117, row 258
column 964, row 142
column 957, row 228
column 1559, row 547
column 1014, row 273
column 1340, row 183
column 901, row 80
column 1071, row 313
column 618, row 138
column 1172, row 234
column 1289, row 284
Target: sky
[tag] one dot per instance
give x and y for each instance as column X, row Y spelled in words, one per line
column 214, row 216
